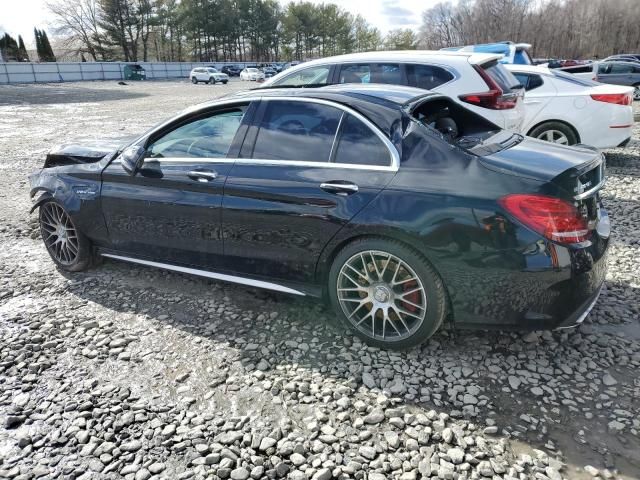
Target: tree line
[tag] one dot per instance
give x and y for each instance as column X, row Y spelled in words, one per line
column 12, row 50
column 555, row 28
column 216, row 30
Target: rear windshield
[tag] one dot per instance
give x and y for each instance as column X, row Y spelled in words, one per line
column 583, row 82
column 503, row 77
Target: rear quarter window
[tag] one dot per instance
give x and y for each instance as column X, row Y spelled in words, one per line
column 503, row 77
column 427, row 76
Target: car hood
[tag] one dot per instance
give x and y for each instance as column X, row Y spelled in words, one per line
column 86, row 152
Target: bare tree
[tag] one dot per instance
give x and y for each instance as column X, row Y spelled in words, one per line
column 77, row 20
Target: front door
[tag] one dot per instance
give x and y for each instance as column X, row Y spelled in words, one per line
column 305, row 170
column 171, row 210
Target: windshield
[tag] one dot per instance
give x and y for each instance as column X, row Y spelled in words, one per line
column 212, row 70
column 252, row 70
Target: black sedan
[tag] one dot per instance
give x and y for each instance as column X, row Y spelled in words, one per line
column 400, row 207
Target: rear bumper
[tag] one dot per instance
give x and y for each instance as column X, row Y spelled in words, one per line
column 546, row 286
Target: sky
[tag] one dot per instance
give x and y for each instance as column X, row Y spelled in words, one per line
column 18, row 17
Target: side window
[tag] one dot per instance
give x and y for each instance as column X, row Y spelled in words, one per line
column 359, row 145
column 535, row 81
column 208, row 137
column 388, row 73
column 620, row 68
column 308, row 76
column 523, row 78
column 603, row 68
column 427, row 76
column 355, row 73
column 294, row 130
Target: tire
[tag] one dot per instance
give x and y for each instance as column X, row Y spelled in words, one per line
column 560, row 132
column 194, row 80
column 68, row 247
column 224, row 82
column 212, row 81
column 636, row 92
column 396, row 323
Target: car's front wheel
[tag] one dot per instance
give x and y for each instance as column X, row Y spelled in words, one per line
column 387, row 293
column 69, row 248
column 636, row 92
column 555, row 132
column 194, row 80
column 212, row 81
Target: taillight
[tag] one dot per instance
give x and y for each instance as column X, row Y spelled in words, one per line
column 616, row 98
column 553, row 218
column 494, row 99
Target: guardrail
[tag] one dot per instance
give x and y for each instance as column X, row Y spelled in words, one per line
column 30, row 72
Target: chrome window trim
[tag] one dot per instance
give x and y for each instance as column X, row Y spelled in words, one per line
column 258, row 96
column 205, row 273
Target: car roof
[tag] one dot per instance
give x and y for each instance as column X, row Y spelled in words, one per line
column 382, row 104
column 405, row 55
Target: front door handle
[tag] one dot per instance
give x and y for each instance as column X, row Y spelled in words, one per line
column 339, row 187
column 202, row 175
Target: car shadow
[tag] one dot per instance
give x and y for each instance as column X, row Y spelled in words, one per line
column 271, row 332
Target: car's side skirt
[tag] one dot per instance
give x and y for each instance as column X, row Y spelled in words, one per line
column 213, row 275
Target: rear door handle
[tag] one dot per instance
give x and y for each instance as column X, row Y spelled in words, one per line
column 339, row 187
column 202, row 175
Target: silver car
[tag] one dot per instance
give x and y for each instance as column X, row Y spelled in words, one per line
column 613, row 72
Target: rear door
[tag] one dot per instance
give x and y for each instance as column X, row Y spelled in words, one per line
column 306, row 168
column 538, row 93
column 171, row 210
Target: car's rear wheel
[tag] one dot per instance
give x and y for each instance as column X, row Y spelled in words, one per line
column 387, row 293
column 194, row 80
column 69, row 248
column 555, row 132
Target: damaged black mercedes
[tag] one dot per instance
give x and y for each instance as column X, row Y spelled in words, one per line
column 402, row 209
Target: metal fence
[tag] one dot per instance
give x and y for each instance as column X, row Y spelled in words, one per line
column 29, row 72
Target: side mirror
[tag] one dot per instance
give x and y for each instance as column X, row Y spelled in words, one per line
column 132, row 159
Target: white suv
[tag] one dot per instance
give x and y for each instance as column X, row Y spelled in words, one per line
column 208, row 75
column 475, row 80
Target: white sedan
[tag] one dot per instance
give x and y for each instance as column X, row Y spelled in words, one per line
column 252, row 74
column 208, row 75
column 562, row 108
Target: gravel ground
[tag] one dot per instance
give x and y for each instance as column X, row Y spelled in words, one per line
column 129, row 372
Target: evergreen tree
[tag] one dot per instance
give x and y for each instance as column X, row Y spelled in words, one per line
column 36, row 34
column 9, row 47
column 46, row 48
column 22, row 51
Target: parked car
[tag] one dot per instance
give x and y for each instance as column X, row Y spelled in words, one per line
column 512, row 52
column 231, row 70
column 564, row 109
column 269, row 72
column 613, row 72
column 208, row 75
column 253, row 74
column 400, row 206
column 288, row 65
column 624, row 57
column 476, row 80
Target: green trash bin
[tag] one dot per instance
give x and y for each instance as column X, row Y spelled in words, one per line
column 134, row 72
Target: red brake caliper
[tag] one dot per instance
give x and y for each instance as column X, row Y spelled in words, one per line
column 413, row 297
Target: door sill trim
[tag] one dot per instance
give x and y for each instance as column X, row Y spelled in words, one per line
column 213, row 275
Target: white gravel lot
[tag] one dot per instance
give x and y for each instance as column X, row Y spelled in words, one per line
column 129, row 372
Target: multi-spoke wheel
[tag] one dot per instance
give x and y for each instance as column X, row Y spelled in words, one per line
column 387, row 293
column 636, row 92
column 68, row 247
column 555, row 132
